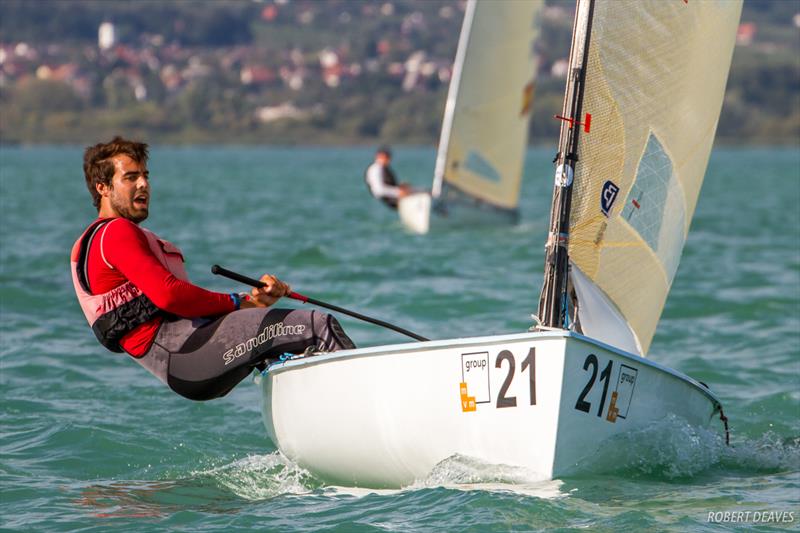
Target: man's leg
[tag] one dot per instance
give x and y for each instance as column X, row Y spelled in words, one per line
column 206, row 362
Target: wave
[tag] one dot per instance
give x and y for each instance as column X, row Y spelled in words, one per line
column 674, row 449
column 219, row 489
column 260, row 477
column 469, row 473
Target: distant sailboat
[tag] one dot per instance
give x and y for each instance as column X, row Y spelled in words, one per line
column 652, row 74
column 484, row 134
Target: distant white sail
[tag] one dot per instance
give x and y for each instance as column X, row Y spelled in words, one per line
column 655, row 82
column 485, row 127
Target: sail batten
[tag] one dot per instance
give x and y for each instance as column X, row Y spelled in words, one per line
column 655, row 81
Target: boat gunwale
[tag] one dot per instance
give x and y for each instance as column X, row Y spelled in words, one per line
column 393, row 349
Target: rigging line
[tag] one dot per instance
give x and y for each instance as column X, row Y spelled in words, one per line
column 725, row 423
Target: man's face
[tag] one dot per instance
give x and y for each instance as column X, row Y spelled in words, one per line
column 128, row 194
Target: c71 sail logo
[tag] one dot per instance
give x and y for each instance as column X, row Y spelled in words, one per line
column 608, row 197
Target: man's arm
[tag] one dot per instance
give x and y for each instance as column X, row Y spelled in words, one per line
column 376, row 184
column 125, row 248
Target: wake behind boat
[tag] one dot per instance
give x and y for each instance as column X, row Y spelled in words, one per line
column 484, row 133
column 652, row 75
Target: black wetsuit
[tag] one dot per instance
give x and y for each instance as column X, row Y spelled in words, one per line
column 202, row 359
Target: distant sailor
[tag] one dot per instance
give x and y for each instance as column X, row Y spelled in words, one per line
column 134, row 291
column 382, row 181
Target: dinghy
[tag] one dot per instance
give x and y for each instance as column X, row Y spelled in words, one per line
column 485, row 126
column 642, row 101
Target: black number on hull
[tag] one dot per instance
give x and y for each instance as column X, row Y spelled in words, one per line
column 582, row 404
column 502, row 400
column 530, row 362
column 605, row 376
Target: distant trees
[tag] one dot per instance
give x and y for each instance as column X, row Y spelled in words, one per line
column 762, row 102
column 41, row 97
column 189, row 22
column 199, row 71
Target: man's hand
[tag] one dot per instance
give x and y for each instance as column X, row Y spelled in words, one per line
column 273, row 290
column 404, row 190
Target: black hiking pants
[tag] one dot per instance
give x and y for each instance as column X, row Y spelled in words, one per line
column 202, row 359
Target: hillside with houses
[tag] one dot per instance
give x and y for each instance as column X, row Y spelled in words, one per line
column 302, row 71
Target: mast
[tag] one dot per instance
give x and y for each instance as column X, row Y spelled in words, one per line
column 553, row 299
column 452, row 97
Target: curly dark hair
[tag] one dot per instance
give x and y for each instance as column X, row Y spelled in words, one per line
column 97, row 167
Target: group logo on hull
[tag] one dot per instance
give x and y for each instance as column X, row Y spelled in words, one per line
column 476, row 387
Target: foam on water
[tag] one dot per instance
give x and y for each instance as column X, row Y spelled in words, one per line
column 768, row 454
column 464, row 470
column 672, row 449
column 259, row 477
column 469, row 473
column 216, row 489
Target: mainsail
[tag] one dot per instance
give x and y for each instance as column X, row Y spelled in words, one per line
column 485, row 127
column 654, row 86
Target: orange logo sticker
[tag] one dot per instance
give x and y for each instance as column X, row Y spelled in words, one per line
column 613, row 411
column 467, row 402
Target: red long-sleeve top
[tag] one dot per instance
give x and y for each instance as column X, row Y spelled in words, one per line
column 119, row 253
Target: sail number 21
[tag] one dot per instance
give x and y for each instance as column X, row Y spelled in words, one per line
column 605, row 377
column 529, row 364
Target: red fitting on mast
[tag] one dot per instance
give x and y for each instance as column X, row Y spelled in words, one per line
column 587, row 124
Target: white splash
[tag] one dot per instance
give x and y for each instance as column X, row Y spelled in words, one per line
column 258, row 477
column 673, row 448
column 469, row 473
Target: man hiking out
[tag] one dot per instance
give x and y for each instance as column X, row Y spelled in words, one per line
column 382, row 181
column 134, row 291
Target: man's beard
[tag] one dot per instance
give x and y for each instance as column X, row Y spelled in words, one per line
column 126, row 212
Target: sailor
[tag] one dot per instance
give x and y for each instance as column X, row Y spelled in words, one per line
column 382, row 181
column 134, row 291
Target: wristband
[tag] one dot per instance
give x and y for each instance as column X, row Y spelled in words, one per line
column 237, row 301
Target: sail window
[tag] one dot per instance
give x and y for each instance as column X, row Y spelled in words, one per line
column 655, row 206
column 481, row 166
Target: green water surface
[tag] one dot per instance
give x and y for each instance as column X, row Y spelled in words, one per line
column 90, row 441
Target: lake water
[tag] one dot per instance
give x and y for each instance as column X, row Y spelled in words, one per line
column 90, row 441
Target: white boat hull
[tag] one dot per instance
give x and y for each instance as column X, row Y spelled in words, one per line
column 385, row 416
column 415, row 212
